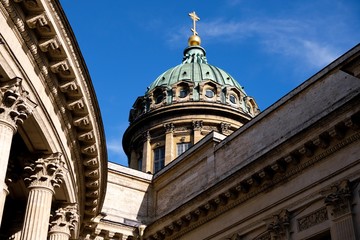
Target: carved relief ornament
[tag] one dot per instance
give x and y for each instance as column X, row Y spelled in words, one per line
column 46, row 172
column 15, row 106
column 339, row 200
column 197, row 125
column 65, row 219
column 169, row 127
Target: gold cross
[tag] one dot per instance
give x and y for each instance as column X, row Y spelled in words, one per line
column 195, row 18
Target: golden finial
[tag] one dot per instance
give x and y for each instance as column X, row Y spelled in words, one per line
column 194, row 40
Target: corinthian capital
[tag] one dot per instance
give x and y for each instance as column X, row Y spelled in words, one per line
column 197, row 125
column 15, row 106
column 46, row 172
column 169, row 127
column 338, row 199
column 64, row 219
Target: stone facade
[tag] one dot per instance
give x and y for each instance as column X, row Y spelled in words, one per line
column 292, row 172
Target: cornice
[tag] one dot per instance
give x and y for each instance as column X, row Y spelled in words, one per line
column 244, row 187
column 42, row 26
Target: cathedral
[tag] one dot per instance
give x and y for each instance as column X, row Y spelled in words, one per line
column 204, row 162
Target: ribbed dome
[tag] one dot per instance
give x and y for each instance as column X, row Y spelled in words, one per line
column 194, row 81
column 195, row 69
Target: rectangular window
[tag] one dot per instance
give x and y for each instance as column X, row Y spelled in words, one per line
column 159, row 158
column 140, row 164
column 182, row 147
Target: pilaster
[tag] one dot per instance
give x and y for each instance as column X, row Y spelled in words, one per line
column 197, row 126
column 147, row 163
column 338, row 203
column 63, row 223
column 133, row 160
column 279, row 227
column 169, row 142
column 45, row 175
column 15, row 108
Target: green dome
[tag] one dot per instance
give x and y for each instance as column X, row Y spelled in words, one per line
column 194, row 81
column 195, row 69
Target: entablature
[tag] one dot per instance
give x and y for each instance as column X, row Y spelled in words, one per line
column 42, row 28
column 258, row 177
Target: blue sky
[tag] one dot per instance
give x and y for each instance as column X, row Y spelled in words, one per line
column 269, row 47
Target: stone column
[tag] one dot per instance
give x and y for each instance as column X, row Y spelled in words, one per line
column 15, row 107
column 45, row 175
column 146, row 161
column 197, row 126
column 63, row 223
column 169, row 143
column 338, row 204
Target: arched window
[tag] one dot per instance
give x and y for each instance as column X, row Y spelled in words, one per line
column 158, row 96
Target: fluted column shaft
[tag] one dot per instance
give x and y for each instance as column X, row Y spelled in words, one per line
column 15, row 108
column 60, row 235
column 37, row 214
column 6, row 135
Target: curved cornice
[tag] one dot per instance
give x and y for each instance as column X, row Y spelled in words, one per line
column 44, row 29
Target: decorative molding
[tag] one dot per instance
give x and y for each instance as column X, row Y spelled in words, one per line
column 209, row 128
column 287, row 167
column 339, row 200
column 65, row 220
column 15, row 106
column 61, row 66
column 264, row 236
column 169, row 127
column 49, row 44
column 225, row 127
column 312, row 219
column 197, row 125
column 37, row 20
column 146, row 136
column 279, row 226
column 46, row 172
